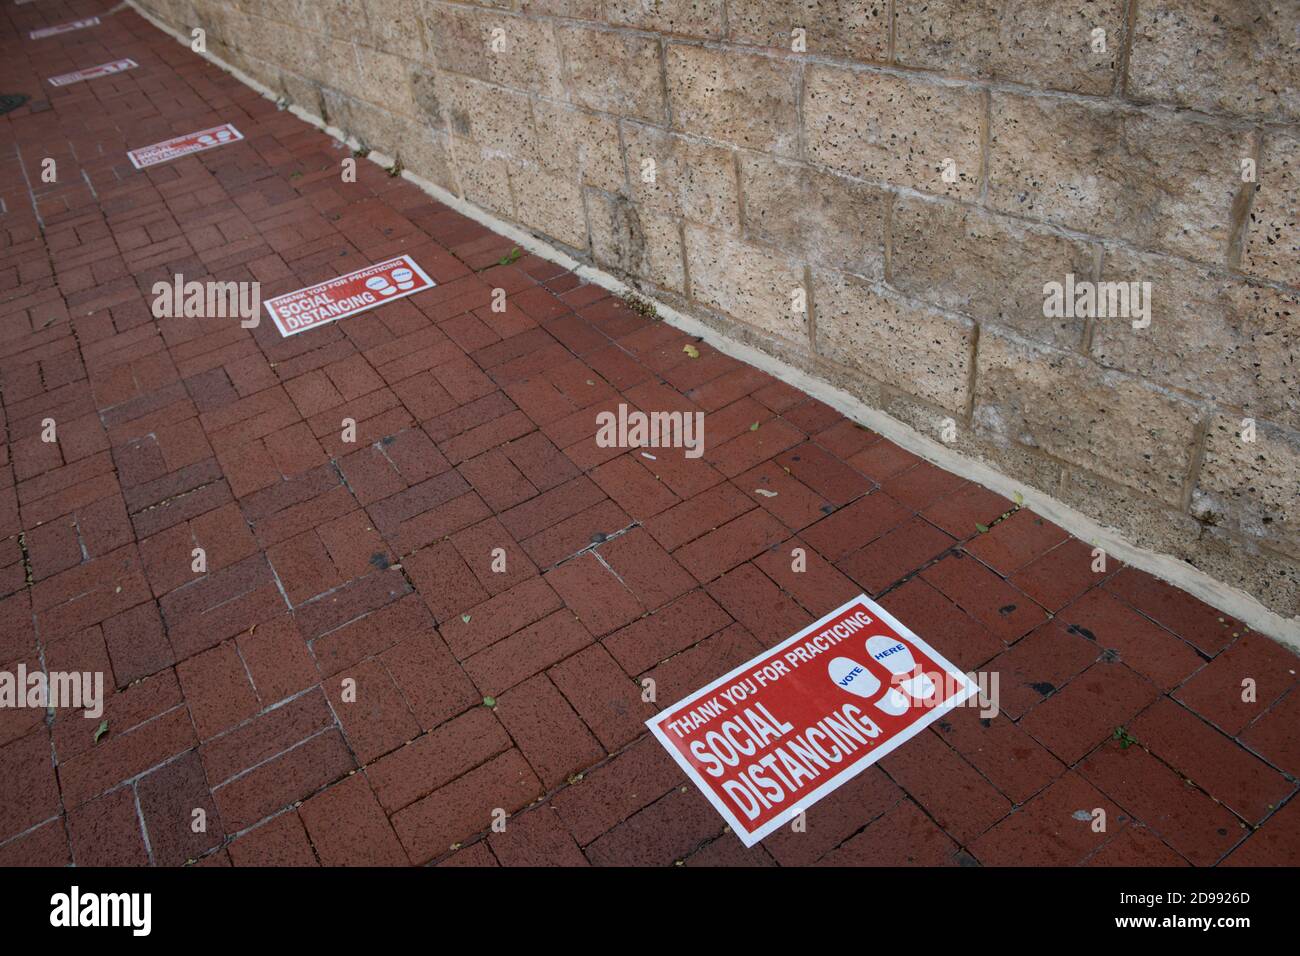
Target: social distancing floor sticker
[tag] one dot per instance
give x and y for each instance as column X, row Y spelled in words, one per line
column 780, row 732
column 90, row 73
column 178, row 146
column 63, row 28
column 347, row 295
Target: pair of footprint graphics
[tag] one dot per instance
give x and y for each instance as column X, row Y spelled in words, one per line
column 401, row 279
column 896, row 657
column 214, row 139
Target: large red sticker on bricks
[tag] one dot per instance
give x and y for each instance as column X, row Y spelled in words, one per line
column 780, row 732
column 178, row 146
column 347, row 295
column 104, row 69
column 64, row 28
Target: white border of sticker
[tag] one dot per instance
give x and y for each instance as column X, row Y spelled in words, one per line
column 202, row 149
column 404, row 258
column 967, row 690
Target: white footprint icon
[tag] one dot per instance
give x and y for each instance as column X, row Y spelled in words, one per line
column 404, row 278
column 896, row 657
column 381, row 285
column 853, row 677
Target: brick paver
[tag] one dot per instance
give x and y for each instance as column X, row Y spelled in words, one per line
column 349, row 680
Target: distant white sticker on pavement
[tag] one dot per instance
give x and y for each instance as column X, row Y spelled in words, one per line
column 91, row 72
column 347, row 295
column 64, row 28
column 178, row 146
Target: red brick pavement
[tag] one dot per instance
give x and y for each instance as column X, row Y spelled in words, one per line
column 333, row 565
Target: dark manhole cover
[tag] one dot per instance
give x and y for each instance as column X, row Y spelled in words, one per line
column 11, row 101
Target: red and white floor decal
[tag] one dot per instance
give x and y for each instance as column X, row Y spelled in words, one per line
column 90, row 73
column 780, row 732
column 347, row 295
column 178, row 146
column 63, row 28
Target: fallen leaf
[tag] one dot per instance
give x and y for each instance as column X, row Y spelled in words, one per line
column 465, row 618
column 1018, row 498
column 754, row 427
column 765, row 493
column 981, row 528
column 489, row 701
column 101, row 730
column 691, row 350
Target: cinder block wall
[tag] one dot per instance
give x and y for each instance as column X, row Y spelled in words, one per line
column 916, row 170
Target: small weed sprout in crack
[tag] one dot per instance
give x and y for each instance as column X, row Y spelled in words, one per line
column 1125, row 738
